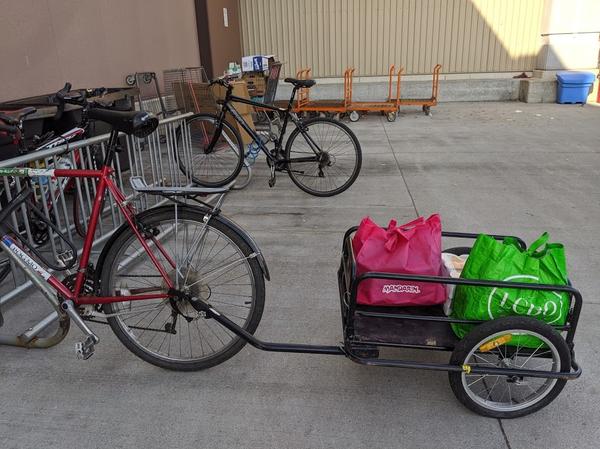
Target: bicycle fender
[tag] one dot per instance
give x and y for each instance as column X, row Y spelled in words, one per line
column 249, row 241
column 236, row 228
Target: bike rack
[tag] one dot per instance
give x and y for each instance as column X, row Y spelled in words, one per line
column 152, row 163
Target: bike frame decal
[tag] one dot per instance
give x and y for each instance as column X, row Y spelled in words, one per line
column 24, row 257
column 40, row 172
column 27, row 172
column 13, row 171
column 63, row 138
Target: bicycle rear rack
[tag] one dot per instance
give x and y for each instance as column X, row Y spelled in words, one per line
column 139, row 185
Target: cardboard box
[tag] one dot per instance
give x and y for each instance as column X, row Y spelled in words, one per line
column 240, row 89
column 246, row 139
column 256, row 82
column 255, row 63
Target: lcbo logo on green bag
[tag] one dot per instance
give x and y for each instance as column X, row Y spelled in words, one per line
column 549, row 308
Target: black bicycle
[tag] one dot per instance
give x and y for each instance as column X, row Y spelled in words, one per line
column 322, row 156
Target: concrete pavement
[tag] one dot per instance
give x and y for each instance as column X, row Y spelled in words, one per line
column 485, row 167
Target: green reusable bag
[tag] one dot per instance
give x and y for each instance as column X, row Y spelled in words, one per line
column 490, row 259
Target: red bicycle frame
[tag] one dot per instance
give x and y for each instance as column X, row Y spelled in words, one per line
column 105, row 183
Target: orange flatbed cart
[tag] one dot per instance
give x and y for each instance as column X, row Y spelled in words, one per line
column 425, row 103
column 304, row 104
column 388, row 107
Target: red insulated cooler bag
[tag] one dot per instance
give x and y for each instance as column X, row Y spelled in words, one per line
column 411, row 248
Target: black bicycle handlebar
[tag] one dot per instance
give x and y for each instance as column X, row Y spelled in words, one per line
column 59, row 98
column 221, row 82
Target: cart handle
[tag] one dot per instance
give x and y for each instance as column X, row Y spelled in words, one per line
column 459, row 235
column 471, row 282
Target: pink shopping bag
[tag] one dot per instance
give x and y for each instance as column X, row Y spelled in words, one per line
column 411, row 248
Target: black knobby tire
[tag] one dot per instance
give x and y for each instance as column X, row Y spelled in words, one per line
column 201, row 129
column 155, row 217
column 355, row 159
column 80, row 225
column 500, row 325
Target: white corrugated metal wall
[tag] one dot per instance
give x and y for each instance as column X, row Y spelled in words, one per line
column 465, row 36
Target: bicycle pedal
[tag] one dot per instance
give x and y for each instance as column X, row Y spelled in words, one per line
column 85, row 349
column 65, row 257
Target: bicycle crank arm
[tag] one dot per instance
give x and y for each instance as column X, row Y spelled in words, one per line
column 84, row 349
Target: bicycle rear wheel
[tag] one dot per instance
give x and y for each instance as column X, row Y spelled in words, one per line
column 209, row 167
column 209, row 261
column 333, row 167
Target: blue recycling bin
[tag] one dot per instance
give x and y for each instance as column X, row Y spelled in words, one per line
column 573, row 87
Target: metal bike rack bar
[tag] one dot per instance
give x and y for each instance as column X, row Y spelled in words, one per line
column 152, row 158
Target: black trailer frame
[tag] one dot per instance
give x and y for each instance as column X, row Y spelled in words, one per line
column 353, row 349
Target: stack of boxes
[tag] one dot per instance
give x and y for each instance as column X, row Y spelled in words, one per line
column 245, row 110
column 255, row 70
column 201, row 98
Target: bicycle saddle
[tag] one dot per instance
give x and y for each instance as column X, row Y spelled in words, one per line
column 300, row 83
column 14, row 117
column 138, row 123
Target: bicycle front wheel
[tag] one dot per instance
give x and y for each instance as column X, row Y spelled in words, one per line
column 324, row 158
column 206, row 166
column 209, row 261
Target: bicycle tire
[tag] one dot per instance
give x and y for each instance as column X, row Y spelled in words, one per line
column 295, row 169
column 153, row 219
column 201, row 136
column 80, row 226
column 474, row 339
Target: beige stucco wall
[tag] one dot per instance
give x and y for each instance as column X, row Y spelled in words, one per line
column 571, row 31
column 465, row 36
column 91, row 43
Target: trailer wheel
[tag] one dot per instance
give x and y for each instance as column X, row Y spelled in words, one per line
column 500, row 344
column 427, row 110
column 354, row 116
column 391, row 116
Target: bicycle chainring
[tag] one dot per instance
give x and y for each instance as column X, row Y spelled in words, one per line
column 89, row 282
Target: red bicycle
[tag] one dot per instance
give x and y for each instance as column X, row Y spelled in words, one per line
column 151, row 273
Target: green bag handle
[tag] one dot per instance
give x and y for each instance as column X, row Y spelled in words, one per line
column 541, row 241
column 533, row 248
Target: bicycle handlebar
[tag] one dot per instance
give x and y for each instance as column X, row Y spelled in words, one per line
column 59, row 97
column 220, row 81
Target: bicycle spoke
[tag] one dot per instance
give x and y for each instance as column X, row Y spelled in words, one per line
column 208, row 266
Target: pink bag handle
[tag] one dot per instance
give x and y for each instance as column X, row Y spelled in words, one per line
column 406, row 231
column 411, row 224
